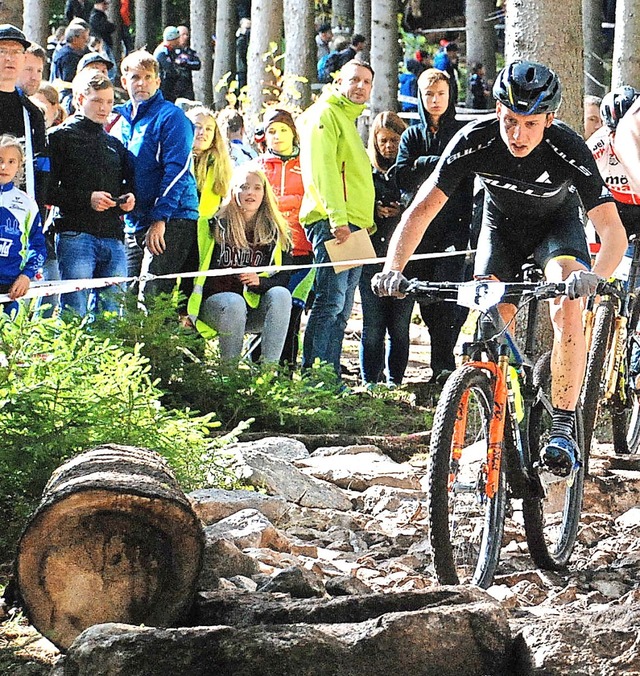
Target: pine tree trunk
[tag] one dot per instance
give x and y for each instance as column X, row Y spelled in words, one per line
column 164, row 14
column 200, row 17
column 143, row 21
column 626, row 60
column 11, row 11
column 266, row 30
column 35, row 22
column 362, row 24
column 342, row 15
column 113, row 14
column 550, row 33
column 385, row 55
column 594, row 77
column 481, row 38
column 224, row 63
column 299, row 60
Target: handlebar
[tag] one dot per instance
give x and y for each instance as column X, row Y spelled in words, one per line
column 448, row 290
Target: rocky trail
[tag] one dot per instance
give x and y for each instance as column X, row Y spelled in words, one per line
column 326, row 571
column 292, row 570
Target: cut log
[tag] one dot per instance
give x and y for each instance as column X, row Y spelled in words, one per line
column 114, row 539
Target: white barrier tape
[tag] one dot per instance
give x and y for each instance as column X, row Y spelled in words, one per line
column 41, row 289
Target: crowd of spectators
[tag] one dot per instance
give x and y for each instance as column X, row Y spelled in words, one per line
column 146, row 190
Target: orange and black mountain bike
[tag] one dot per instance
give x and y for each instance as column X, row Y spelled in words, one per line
column 491, row 422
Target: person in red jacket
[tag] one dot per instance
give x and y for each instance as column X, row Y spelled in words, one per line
column 281, row 164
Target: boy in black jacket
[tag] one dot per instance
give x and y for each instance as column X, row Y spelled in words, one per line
column 91, row 179
column 420, row 148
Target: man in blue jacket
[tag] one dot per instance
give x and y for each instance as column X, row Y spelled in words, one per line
column 160, row 233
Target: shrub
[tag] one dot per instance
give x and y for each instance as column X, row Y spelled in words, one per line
column 64, row 390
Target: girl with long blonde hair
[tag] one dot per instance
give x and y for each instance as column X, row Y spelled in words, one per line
column 248, row 231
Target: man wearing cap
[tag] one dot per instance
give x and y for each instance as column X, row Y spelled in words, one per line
column 94, row 61
column 165, row 54
column 19, row 116
column 186, row 60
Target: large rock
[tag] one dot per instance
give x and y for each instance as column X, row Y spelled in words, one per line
column 280, row 477
column 283, row 448
column 424, row 635
column 214, row 504
column 223, row 559
column 360, row 471
column 248, row 528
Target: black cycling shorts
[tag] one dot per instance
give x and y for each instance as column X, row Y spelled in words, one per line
column 504, row 245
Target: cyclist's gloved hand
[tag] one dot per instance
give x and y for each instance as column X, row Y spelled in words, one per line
column 389, row 284
column 581, row 283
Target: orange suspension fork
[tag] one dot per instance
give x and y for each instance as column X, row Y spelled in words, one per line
column 496, row 426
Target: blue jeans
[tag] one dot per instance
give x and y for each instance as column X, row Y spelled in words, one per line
column 229, row 314
column 332, row 303
column 83, row 256
column 383, row 318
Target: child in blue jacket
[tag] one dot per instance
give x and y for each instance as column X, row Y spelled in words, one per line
column 22, row 246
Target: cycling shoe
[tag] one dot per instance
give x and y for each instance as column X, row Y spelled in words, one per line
column 559, row 456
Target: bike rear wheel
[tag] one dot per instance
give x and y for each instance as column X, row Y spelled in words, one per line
column 592, row 389
column 625, row 415
column 551, row 522
column 466, row 526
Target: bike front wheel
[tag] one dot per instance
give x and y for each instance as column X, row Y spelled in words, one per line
column 551, row 520
column 466, row 525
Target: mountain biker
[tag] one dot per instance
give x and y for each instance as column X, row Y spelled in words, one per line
column 538, row 175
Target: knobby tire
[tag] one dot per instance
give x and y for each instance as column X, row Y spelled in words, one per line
column 466, row 527
column 551, row 523
column 592, row 386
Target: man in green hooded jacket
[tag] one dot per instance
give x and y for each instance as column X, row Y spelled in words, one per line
column 339, row 199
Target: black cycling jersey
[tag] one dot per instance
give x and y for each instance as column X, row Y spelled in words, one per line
column 527, row 188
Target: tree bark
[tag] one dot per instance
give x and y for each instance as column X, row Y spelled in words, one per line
column 262, row 82
column 143, row 22
column 11, row 11
column 113, row 14
column 224, row 63
column 35, row 23
column 594, row 76
column 200, row 18
column 385, row 55
column 300, row 61
column 550, row 33
column 626, row 61
column 114, row 539
column 362, row 24
column 481, row 38
column 342, row 15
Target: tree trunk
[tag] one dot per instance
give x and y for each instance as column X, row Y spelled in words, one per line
column 164, row 14
column 262, row 85
column 300, row 61
column 481, row 38
column 114, row 539
column 200, row 17
column 224, row 63
column 342, row 15
column 35, row 22
column 362, row 24
column 626, row 60
column 11, row 11
column 385, row 55
column 113, row 13
column 550, row 33
column 143, row 23
column 594, row 76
